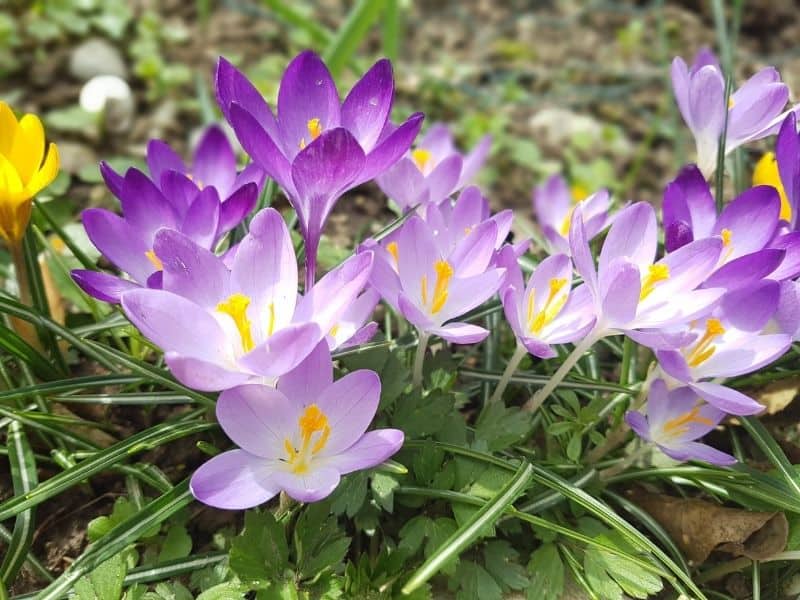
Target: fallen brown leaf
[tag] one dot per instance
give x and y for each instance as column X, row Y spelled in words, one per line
column 778, row 395
column 699, row 527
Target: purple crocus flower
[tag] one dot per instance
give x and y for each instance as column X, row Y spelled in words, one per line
column 728, row 342
column 754, row 111
column 434, row 170
column 787, row 317
column 431, row 287
column 674, row 420
column 352, row 328
column 781, row 170
column 546, row 311
column 752, row 249
column 223, row 327
column 299, row 438
column 317, row 147
column 553, row 205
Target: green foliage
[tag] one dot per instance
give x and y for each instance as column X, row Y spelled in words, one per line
column 260, row 554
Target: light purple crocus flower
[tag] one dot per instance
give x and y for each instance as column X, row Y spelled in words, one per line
column 223, row 327
column 434, row 170
column 352, row 328
column 787, row 156
column 754, row 111
column 753, row 247
column 317, row 147
column 431, row 286
column 674, row 420
column 728, row 342
column 553, row 205
column 299, row 438
column 787, row 317
column 546, row 311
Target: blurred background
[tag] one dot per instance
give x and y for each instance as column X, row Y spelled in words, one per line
column 578, row 87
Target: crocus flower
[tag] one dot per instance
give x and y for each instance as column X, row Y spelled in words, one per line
column 781, row 170
column 317, row 147
column 299, row 438
column 429, row 287
column 546, row 311
column 553, row 205
column 433, row 170
column 223, row 327
column 674, row 420
column 754, row 111
column 787, row 317
column 352, row 328
column 727, row 343
column 753, row 247
column 25, row 170
column 128, row 241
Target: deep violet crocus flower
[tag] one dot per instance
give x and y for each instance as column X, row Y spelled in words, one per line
column 223, row 327
column 299, row 438
column 753, row 246
column 632, row 293
column 317, row 147
column 433, row 170
column 674, row 420
column 728, row 342
column 754, row 111
column 553, row 205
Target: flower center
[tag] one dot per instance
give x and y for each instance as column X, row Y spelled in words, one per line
column 444, row 272
column 680, row 425
column 154, row 260
column 704, row 349
column 421, row 158
column 551, row 308
column 392, row 249
column 314, row 127
column 655, row 274
column 312, row 421
column 236, row 308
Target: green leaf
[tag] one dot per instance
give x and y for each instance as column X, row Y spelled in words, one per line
column 177, row 544
column 319, row 541
column 547, row 574
column 501, row 427
column 598, row 578
column 574, row 447
column 419, row 417
column 260, row 553
column 229, row 590
column 105, row 580
column 774, row 453
column 475, row 583
column 351, row 33
column 413, row 533
column 500, row 559
column 383, row 486
column 123, row 509
column 350, row 495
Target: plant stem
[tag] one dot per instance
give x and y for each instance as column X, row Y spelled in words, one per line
column 24, row 328
column 519, row 353
column 536, row 400
column 419, row 360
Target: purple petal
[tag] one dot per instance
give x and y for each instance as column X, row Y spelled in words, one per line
column 751, row 220
column 118, row 241
column 413, row 314
column 350, row 405
column 473, row 255
column 252, row 173
column 370, row 450
column 758, row 101
column 233, row 480
column 214, row 161
column 787, row 153
column 750, row 308
column 235, row 209
column 474, row 161
column 790, row 265
column 443, row 180
column 404, row 183
column 190, row 270
column 468, row 293
column 688, row 198
column 233, row 87
column 179, row 190
column 634, row 235
column 746, row 269
column 674, row 364
column 362, row 336
column 390, row 149
column 162, row 158
column 204, row 375
column 679, row 74
column 727, row 399
column 758, row 351
column 638, row 422
column 102, row 286
column 304, row 384
column 282, row 351
column 114, row 180
column 367, row 106
column 538, row 348
column 144, row 206
column 581, row 253
column 698, row 451
column 622, row 285
column 312, row 486
column 202, row 218
column 460, row 333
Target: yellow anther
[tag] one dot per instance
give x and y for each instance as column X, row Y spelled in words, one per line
column 392, row 249
column 680, row 425
column 704, row 349
column 552, row 306
column 444, row 272
column 731, row 103
column 154, row 260
column 271, row 321
column 236, row 308
column 312, row 421
column 314, row 127
column 566, row 223
column 766, row 173
column 727, row 236
column 334, row 330
column 421, row 158
column 655, row 274
column 467, row 230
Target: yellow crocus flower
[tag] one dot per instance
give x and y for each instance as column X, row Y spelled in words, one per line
column 24, row 170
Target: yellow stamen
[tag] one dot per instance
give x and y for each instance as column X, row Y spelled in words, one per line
column 680, row 425
column 731, row 103
column 655, row 274
column 766, row 173
column 703, row 350
column 421, row 158
column 726, row 235
column 236, row 308
column 334, row 330
column 444, row 272
column 467, row 230
column 566, row 223
column 271, row 322
column 551, row 308
column 314, row 127
column 312, row 421
column 392, row 249
column 156, row 262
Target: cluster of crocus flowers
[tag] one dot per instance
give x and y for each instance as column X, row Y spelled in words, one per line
column 27, row 166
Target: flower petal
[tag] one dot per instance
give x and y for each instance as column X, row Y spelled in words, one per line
column 367, row 106
column 350, row 404
column 391, row 148
column 118, row 241
column 312, row 486
column 214, row 161
column 102, row 286
column 283, row 351
column 233, row 480
column 727, row 399
column 373, row 448
column 306, row 383
column 634, row 235
column 202, row 219
column 233, row 87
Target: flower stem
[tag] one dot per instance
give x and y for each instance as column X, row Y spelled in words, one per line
column 536, row 400
column 25, row 329
column 511, row 368
column 419, row 360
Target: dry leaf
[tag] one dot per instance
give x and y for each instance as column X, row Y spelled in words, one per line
column 778, row 395
column 699, row 527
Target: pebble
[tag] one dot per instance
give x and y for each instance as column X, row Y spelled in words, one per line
column 94, row 57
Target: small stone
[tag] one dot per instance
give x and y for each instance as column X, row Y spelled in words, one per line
column 95, row 57
column 74, row 156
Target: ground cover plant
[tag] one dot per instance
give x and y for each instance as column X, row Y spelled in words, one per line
column 240, row 404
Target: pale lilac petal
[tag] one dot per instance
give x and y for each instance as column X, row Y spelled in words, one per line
column 413, row 314
column 750, row 308
column 316, row 484
column 443, row 180
column 416, row 253
column 214, row 161
column 372, row 449
column 118, row 242
column 367, row 106
column 383, row 277
column 512, row 306
column 252, row 173
column 638, row 422
column 679, row 73
column 102, row 286
column 474, row 253
column 727, row 399
column 660, row 339
column 746, row 269
column 460, row 333
column 731, row 361
column 698, row 451
column 582, row 254
column 787, row 153
column 660, row 405
column 790, row 265
column 622, row 285
column 674, row 364
column 756, row 103
column 787, row 317
column 390, row 149
column 474, row 161
column 404, row 183
column 205, row 375
column 307, row 381
column 634, row 235
column 552, row 201
column 706, row 102
column 350, row 404
column 362, row 336
column 468, row 293
column 233, row 480
column 282, row 351
column 190, row 270
column 538, row 348
column 751, row 220
column 438, row 140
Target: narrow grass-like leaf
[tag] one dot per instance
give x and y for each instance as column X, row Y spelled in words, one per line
column 540, row 380
column 85, row 261
column 773, row 452
column 121, row 536
column 392, row 28
column 174, row 568
column 351, row 33
column 33, row 563
column 26, row 418
column 127, row 399
column 12, row 343
column 69, row 385
column 463, row 451
column 471, row 530
column 103, row 459
column 24, row 478
column 286, row 12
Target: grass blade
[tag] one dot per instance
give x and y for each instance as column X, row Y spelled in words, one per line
column 69, row 385
column 774, row 453
column 13, row 343
column 472, row 528
column 24, row 478
column 349, row 36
